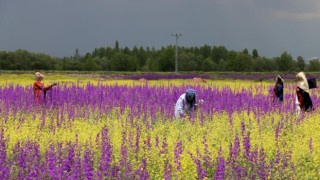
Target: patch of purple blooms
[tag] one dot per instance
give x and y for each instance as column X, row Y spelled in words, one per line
column 71, row 161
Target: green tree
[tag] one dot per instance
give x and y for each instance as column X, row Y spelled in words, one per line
column 19, row 60
column 314, row 65
column 245, row 51
column 255, row 53
column 134, row 64
column 222, row 65
column 205, row 51
column 301, row 63
column 242, row 62
column 4, row 61
column 91, row 64
column 109, row 52
column 116, row 47
column 231, row 61
column 77, row 54
column 263, row 64
column 140, row 54
column 103, row 62
column 150, row 65
column 187, row 62
column 119, row 62
column 42, row 62
column 208, row 65
column 71, row 64
column 285, row 62
column 126, row 50
column 166, row 60
column 219, row 53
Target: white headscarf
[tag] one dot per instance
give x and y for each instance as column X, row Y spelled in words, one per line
column 39, row 75
column 280, row 77
column 302, row 81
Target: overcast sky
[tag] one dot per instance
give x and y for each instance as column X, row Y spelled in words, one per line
column 58, row 27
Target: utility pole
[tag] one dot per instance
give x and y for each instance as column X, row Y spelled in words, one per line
column 177, row 37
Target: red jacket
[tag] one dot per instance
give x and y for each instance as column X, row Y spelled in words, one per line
column 38, row 89
column 300, row 98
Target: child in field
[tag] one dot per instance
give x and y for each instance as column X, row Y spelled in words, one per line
column 303, row 100
column 187, row 103
column 278, row 89
column 38, row 87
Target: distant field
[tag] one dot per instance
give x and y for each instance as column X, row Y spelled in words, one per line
column 257, row 76
column 162, row 79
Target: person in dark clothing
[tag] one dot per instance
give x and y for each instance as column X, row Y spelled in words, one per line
column 278, row 89
column 303, row 99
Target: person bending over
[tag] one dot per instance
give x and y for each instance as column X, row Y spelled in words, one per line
column 187, row 103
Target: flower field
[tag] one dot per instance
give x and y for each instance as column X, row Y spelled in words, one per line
column 126, row 129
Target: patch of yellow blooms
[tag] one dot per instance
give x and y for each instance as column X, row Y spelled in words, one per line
column 217, row 130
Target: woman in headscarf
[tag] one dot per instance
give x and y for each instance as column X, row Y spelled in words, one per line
column 303, row 100
column 38, row 87
column 278, row 88
column 187, row 103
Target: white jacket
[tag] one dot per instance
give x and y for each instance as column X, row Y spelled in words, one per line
column 180, row 105
column 183, row 108
column 298, row 109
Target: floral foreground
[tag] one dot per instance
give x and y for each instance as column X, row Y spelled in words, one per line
column 129, row 132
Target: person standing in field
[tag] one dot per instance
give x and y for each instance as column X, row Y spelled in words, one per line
column 303, row 100
column 187, row 103
column 39, row 89
column 278, row 89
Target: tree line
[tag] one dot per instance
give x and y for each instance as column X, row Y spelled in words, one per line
column 205, row 58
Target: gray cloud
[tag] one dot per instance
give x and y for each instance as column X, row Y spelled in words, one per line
column 59, row 27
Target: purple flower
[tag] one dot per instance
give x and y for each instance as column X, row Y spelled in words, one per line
column 220, row 171
column 236, row 148
column 164, row 149
column 207, row 155
column 263, row 168
column 77, row 172
column 138, row 132
column 51, row 161
column 246, row 145
column 167, row 171
column 310, row 145
column 88, row 164
column 124, row 164
column 202, row 173
column 157, row 141
column 68, row 162
column 106, row 154
column 4, row 164
column 177, row 152
column 141, row 173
